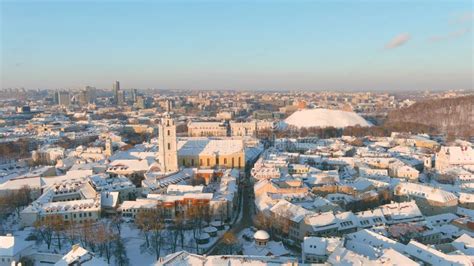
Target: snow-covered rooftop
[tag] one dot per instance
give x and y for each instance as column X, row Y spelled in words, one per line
column 11, row 245
column 208, row 146
column 427, row 192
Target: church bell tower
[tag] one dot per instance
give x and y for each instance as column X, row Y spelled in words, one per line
column 168, row 153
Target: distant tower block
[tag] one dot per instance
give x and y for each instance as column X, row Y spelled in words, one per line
column 168, row 152
column 109, row 150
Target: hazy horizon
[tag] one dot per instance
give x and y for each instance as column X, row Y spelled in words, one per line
column 302, row 45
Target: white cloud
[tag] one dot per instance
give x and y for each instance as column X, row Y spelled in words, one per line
column 450, row 35
column 398, row 41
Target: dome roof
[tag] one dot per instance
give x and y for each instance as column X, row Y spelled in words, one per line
column 261, row 235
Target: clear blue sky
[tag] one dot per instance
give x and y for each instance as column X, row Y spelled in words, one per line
column 315, row 45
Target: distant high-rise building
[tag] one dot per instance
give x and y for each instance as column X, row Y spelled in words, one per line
column 63, row 98
column 83, row 98
column 134, row 95
column 56, row 97
column 116, row 90
column 91, row 94
column 141, row 103
column 121, row 97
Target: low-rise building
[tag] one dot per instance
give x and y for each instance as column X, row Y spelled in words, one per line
column 80, row 256
column 432, row 256
column 317, row 249
column 448, row 157
column 430, row 200
column 207, row 129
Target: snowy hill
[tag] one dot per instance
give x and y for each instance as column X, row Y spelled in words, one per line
column 325, row 118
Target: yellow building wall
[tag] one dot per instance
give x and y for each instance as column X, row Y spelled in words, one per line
column 210, row 161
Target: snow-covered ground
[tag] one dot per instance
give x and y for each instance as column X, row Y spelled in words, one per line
column 138, row 255
column 325, row 118
column 132, row 237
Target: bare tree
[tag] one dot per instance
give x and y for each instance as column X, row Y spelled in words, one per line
column 116, row 222
column 143, row 220
column 179, row 223
column 86, row 235
column 230, row 241
column 104, row 237
column 72, row 232
column 157, row 233
column 14, row 202
column 120, row 253
column 263, row 222
column 196, row 215
column 206, row 214
column 21, row 198
column 48, row 227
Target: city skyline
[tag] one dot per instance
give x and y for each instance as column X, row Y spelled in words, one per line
column 243, row 132
column 320, row 45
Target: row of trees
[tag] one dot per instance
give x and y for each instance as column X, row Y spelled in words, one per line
column 158, row 233
column 13, row 202
column 102, row 238
column 356, row 131
column 17, row 149
column 68, row 143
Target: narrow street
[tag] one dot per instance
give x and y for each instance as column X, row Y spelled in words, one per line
column 247, row 208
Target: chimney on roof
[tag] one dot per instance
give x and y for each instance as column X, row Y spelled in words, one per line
column 75, row 247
